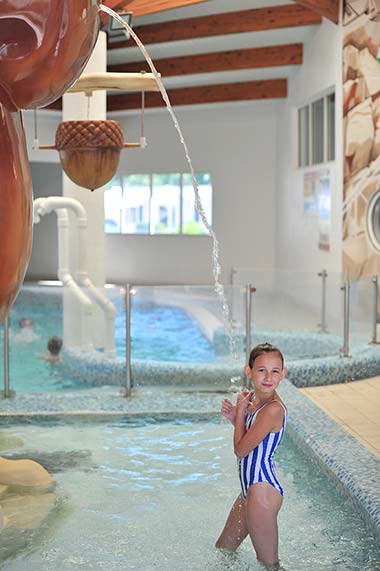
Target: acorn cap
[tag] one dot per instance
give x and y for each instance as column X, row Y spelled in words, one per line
column 89, row 134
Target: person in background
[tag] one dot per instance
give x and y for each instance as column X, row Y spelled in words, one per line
column 53, row 349
column 25, row 323
column 24, row 333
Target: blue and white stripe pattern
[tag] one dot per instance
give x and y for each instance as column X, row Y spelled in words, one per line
column 258, row 465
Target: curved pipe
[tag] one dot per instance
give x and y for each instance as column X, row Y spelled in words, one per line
column 60, row 205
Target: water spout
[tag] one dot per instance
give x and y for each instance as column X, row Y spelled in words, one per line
column 218, row 287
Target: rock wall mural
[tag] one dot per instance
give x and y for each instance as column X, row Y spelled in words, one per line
column 361, row 123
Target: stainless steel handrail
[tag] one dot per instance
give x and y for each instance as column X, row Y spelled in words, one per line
column 345, row 351
column 6, row 393
column 249, row 290
column 375, row 281
column 323, row 325
column 128, row 372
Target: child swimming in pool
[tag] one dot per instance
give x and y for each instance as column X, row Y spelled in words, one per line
column 259, row 419
column 53, row 350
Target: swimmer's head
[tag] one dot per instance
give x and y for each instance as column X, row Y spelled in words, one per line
column 262, row 349
column 54, row 345
column 25, row 323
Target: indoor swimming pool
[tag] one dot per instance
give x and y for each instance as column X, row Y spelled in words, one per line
column 152, row 493
column 183, row 338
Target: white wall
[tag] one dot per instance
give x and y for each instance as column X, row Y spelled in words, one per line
column 297, row 242
column 47, row 123
column 47, row 181
column 250, row 151
column 237, row 145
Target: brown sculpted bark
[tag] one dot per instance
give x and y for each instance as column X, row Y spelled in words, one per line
column 44, row 46
column 15, row 208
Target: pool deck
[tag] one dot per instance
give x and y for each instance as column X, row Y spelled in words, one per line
column 355, row 406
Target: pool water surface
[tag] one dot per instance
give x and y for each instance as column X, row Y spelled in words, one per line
column 152, row 494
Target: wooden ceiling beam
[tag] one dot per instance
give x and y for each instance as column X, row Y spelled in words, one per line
column 290, row 54
column 245, row 91
column 116, row 5
column 143, row 7
column 327, row 8
column 255, row 20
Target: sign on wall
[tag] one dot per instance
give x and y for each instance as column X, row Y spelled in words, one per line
column 317, row 201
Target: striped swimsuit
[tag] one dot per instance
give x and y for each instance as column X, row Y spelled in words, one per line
column 258, row 465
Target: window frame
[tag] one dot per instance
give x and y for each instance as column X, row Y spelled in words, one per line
column 310, row 155
column 120, row 182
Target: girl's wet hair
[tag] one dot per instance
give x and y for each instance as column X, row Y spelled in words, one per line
column 261, row 349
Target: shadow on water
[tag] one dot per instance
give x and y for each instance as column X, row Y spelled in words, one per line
column 58, row 461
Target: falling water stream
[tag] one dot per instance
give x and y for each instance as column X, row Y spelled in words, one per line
column 218, row 287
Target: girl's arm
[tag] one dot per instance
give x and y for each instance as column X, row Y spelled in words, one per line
column 245, row 441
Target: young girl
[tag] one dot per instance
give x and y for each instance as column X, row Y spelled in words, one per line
column 259, row 419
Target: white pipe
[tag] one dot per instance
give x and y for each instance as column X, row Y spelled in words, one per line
column 85, row 309
column 59, row 204
column 108, row 308
column 42, row 206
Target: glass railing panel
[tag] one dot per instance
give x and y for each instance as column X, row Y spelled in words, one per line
column 180, row 335
column 183, row 331
column 285, row 300
column 179, row 323
column 87, row 320
column 291, row 308
column 362, row 311
column 95, row 336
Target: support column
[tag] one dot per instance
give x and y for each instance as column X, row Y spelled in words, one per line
column 77, row 106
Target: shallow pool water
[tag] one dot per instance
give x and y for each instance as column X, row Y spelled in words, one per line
column 153, row 495
column 162, row 333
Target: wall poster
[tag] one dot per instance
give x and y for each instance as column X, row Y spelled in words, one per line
column 317, row 201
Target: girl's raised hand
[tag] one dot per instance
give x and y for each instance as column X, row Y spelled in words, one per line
column 243, row 400
column 228, row 410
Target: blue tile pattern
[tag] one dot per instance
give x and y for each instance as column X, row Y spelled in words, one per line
column 348, row 463
column 94, row 369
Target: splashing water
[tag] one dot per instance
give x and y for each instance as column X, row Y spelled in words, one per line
column 218, row 287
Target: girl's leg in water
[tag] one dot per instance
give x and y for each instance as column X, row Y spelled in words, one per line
column 235, row 529
column 263, row 505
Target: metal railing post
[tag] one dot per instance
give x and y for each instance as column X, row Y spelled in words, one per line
column 323, row 325
column 248, row 318
column 128, row 374
column 375, row 282
column 346, row 320
column 6, row 393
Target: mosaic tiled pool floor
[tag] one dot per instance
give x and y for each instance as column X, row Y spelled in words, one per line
column 334, row 450
column 355, row 405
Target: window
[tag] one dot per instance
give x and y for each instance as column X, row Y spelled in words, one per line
column 330, row 100
column 373, row 220
column 303, row 136
column 316, row 131
column 157, row 204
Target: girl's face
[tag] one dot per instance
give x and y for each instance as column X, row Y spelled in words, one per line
column 266, row 373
